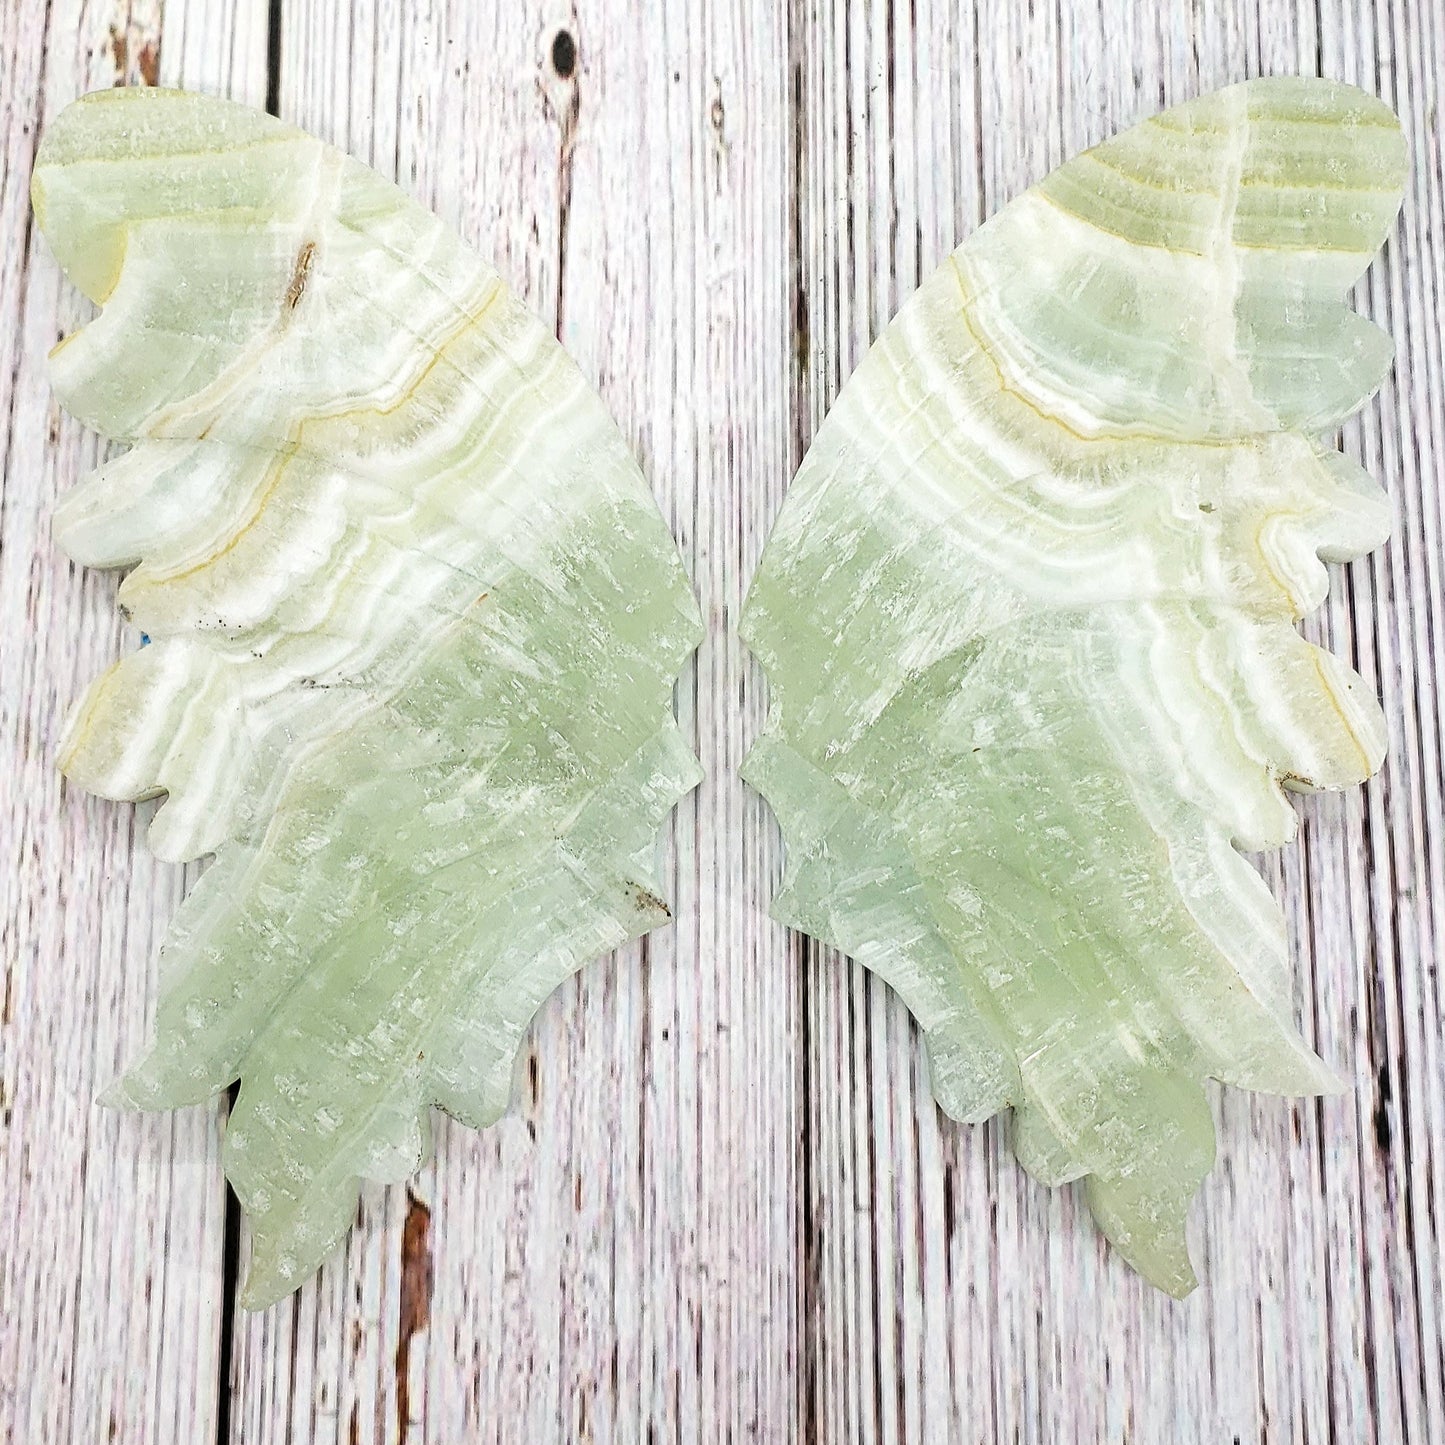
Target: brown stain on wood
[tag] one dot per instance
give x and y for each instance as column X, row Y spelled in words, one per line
column 414, row 1310
column 148, row 62
column 119, row 52
column 147, row 58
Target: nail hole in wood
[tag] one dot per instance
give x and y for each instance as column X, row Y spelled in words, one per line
column 564, row 54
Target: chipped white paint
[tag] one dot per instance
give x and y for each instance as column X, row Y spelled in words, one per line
column 724, row 1202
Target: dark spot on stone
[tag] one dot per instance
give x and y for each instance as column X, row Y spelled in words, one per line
column 719, row 115
column 1206, row 506
column 564, row 54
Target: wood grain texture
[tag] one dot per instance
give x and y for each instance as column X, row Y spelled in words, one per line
column 111, row 1224
column 991, row 1306
column 724, row 1205
column 618, row 1255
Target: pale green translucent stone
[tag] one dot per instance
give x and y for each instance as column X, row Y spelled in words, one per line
column 416, row 622
column 1028, row 621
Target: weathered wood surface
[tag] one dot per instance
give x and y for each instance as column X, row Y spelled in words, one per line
column 111, row 1225
column 724, row 1205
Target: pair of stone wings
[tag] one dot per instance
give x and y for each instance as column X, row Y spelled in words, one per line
column 1027, row 618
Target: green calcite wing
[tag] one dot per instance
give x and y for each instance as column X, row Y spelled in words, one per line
column 1028, row 621
column 416, row 622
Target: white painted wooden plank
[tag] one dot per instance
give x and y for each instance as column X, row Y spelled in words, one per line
column 619, row 1256
column 957, row 1300
column 110, row 1224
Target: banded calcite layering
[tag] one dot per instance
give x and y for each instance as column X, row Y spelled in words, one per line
column 1028, row 621
column 416, row 622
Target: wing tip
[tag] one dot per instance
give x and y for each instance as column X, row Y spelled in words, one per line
column 74, row 133
column 85, row 223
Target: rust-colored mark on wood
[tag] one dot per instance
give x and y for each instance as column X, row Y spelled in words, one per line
column 300, row 274
column 147, row 56
column 119, row 53
column 414, row 1311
